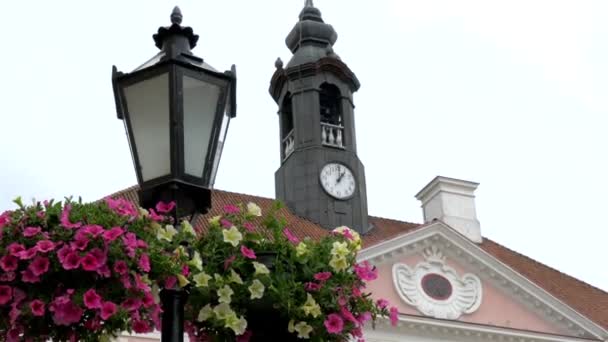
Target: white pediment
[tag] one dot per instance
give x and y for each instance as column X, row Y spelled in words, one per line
column 456, row 293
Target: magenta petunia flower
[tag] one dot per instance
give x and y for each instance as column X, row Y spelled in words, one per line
column 37, row 307
column 155, row 217
column 101, row 256
column 144, row 263
column 122, row 207
column 334, row 324
column 63, row 252
column 231, row 209
column 131, row 304
column 28, row 253
column 65, row 218
column 91, row 299
column 148, row 300
column 322, row 276
column 7, row 277
column 289, row 235
column 6, row 294
column 80, row 244
column 394, row 316
column 108, row 309
column 382, row 303
column 141, row 327
column 39, row 266
column 366, row 272
column 126, row 281
column 312, row 287
column 225, row 223
column 9, row 263
column 71, row 261
column 31, row 231
column 89, row 263
column 28, row 276
column 15, row 248
column 93, row 230
column 248, row 253
column 249, row 226
column 170, row 282
column 45, row 246
column 347, row 315
column 364, row 317
column 121, row 267
column 104, row 271
column 112, row 234
column 165, row 208
column 65, row 312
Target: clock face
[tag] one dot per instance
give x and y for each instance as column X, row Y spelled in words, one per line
column 337, row 180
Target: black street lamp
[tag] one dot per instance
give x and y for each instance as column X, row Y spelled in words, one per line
column 176, row 110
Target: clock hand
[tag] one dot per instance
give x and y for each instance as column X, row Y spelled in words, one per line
column 340, row 177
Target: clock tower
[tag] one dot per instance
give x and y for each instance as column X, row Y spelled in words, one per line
column 320, row 178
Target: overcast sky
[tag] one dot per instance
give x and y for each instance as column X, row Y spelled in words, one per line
column 510, row 94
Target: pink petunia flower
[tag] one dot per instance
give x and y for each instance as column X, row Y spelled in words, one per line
column 112, row 234
column 6, row 294
column 93, row 230
column 89, row 263
column 91, row 299
column 141, row 327
column 348, row 315
column 65, row 218
column 155, row 217
column 28, row 276
column 394, row 316
column 122, row 207
column 28, row 253
column 63, row 252
column 39, row 266
column 148, row 300
column 121, row 267
column 364, row 317
column 382, row 303
column 366, row 272
column 41, row 214
column 165, row 208
column 144, row 263
column 37, row 306
column 104, row 271
column 231, row 209
column 289, row 235
column 108, row 309
column 15, row 248
column 7, row 276
column 65, row 312
column 80, row 244
column 31, row 231
column 101, row 256
column 170, row 282
column 312, row 287
column 45, row 246
column 249, row 226
column 248, row 253
column 131, row 304
column 9, row 263
column 126, row 281
column 71, row 261
column 93, row 324
column 185, row 271
column 225, row 223
column 322, row 276
column 334, row 324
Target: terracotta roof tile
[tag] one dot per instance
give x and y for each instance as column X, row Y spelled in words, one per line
column 586, row 299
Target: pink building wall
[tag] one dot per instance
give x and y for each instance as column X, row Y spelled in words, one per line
column 497, row 308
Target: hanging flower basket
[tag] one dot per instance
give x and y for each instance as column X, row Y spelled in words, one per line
column 80, row 272
column 259, row 282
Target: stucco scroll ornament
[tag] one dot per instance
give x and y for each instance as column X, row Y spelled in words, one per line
column 435, row 288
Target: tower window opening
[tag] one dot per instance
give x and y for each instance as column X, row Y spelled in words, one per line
column 287, row 132
column 332, row 126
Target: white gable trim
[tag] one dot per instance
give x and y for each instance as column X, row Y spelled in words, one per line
column 410, row 327
column 439, row 233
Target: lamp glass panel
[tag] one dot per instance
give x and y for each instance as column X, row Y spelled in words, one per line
column 200, row 108
column 148, row 107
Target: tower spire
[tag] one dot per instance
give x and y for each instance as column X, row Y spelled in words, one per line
column 309, row 3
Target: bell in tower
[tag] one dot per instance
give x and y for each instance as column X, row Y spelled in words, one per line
column 320, row 177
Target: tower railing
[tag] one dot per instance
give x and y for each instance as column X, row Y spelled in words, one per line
column 288, row 144
column 332, row 135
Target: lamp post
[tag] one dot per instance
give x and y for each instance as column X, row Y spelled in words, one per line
column 176, row 110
